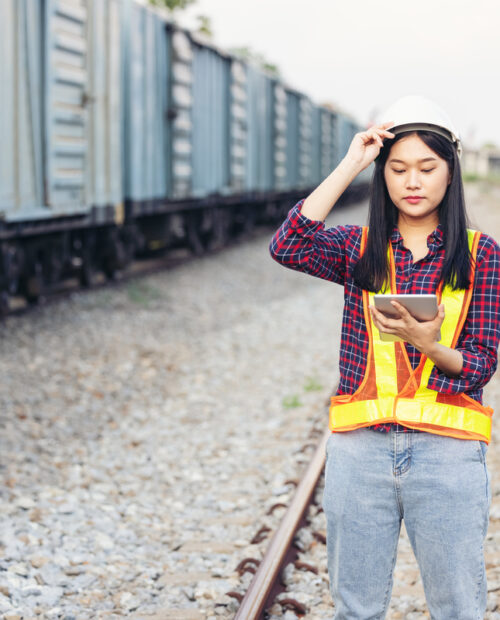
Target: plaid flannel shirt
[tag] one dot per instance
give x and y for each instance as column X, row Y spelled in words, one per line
column 305, row 245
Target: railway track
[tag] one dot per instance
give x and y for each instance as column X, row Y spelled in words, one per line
column 266, row 591
column 93, row 419
column 267, row 582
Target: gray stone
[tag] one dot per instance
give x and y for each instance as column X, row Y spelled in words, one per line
column 25, row 502
column 157, row 439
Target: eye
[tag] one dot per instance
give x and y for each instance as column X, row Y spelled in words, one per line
column 428, row 170
column 397, row 171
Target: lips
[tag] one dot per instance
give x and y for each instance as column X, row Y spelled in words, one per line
column 413, row 199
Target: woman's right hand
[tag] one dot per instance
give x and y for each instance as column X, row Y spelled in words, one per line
column 366, row 145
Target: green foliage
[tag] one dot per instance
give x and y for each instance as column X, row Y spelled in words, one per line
column 172, row 5
column 142, row 293
column 205, row 26
column 493, row 178
column 489, row 180
column 311, row 385
column 290, row 402
column 103, row 299
column 247, row 54
column 242, row 52
column 470, row 177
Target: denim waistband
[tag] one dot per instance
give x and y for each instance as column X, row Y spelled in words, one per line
column 397, row 428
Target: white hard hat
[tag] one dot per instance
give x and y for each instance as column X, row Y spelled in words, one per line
column 415, row 112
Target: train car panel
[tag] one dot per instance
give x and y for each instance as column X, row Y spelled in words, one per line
column 316, row 145
column 260, row 110
column 210, row 138
column 66, row 98
column 336, row 150
column 292, row 139
column 104, row 170
column 238, row 126
column 326, row 143
column 181, row 65
column 21, row 150
column 347, row 129
column 147, row 159
column 305, row 142
column 280, row 142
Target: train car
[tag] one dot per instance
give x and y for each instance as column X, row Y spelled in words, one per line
column 125, row 134
column 61, row 194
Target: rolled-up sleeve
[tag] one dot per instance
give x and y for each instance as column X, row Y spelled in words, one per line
column 304, row 245
column 480, row 336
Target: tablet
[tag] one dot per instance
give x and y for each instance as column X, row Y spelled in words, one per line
column 422, row 307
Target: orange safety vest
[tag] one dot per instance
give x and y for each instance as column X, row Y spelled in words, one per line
column 391, row 391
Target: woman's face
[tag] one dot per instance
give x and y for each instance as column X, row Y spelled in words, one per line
column 416, row 178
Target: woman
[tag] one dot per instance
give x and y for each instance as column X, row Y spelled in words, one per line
column 410, row 432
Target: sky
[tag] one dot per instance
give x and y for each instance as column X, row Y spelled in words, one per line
column 362, row 55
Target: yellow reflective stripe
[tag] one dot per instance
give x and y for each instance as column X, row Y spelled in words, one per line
column 418, row 411
column 385, row 362
column 422, row 411
column 413, row 413
column 385, row 352
column 453, row 302
column 361, row 412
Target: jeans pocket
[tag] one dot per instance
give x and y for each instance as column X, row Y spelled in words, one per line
column 482, row 449
column 327, row 450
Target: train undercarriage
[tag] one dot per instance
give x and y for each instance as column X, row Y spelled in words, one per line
column 36, row 257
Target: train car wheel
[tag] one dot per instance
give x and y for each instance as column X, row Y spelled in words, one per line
column 194, row 232
column 116, row 256
column 221, row 225
column 33, row 284
column 12, row 265
column 245, row 219
column 4, row 303
column 89, row 271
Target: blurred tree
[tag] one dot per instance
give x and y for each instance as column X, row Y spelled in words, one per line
column 245, row 53
column 172, row 5
column 205, row 26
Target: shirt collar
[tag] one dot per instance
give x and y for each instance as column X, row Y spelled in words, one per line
column 436, row 237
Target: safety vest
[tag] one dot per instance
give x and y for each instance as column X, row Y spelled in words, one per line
column 391, row 391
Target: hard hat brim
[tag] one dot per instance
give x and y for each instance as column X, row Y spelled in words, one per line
column 397, row 129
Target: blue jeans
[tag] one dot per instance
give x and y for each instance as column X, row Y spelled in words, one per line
column 440, row 486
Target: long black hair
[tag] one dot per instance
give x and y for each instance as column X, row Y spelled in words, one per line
column 372, row 270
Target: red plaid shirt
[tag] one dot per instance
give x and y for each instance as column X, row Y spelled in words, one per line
column 305, row 245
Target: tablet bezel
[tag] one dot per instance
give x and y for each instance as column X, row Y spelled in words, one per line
column 423, row 307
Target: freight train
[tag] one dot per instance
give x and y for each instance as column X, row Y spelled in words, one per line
column 123, row 133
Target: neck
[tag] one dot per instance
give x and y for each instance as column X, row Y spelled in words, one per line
column 417, row 228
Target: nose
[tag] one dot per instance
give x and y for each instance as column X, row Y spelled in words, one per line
column 413, row 179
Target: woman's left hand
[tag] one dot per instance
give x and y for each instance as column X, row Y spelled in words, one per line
column 422, row 335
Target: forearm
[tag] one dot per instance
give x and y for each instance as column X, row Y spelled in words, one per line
column 320, row 202
column 478, row 341
column 449, row 361
column 423, row 336
column 304, row 245
column 364, row 148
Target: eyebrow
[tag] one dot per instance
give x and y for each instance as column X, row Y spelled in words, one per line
column 400, row 161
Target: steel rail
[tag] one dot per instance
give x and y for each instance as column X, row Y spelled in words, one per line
column 263, row 585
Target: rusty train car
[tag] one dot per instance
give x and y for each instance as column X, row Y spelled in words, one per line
column 124, row 134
